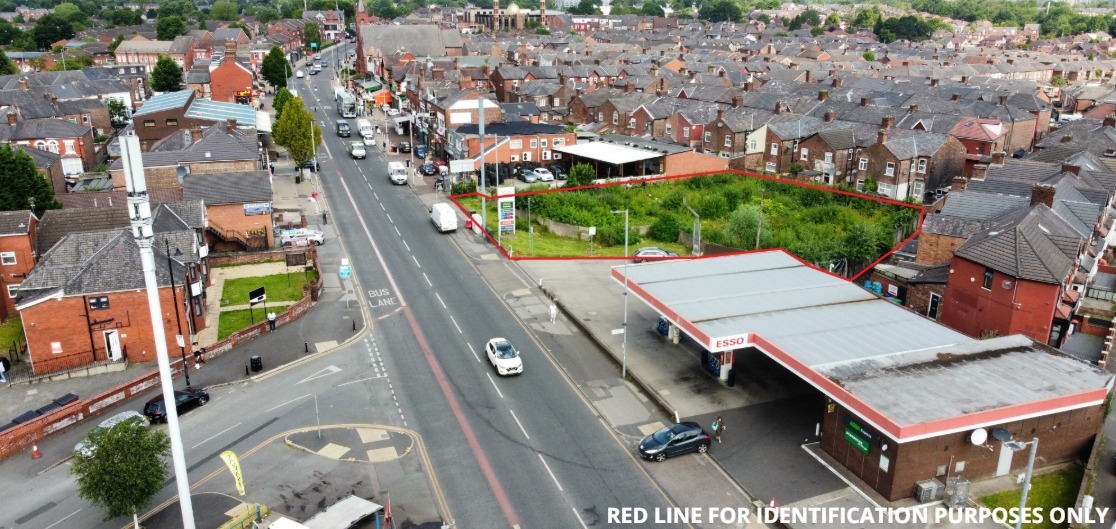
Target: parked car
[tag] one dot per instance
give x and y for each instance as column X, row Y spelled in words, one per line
column 428, row 169
column 299, row 74
column 651, row 253
column 503, row 356
column 674, row 440
column 558, row 171
column 543, row 174
column 301, row 237
column 528, row 176
column 420, row 151
column 184, row 400
column 392, row 111
column 85, row 448
column 312, row 165
column 356, row 149
column 404, row 146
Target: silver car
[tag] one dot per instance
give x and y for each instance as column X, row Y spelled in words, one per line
column 85, row 449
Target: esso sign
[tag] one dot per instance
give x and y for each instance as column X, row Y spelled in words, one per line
column 728, row 343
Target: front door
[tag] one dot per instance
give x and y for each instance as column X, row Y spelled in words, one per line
column 112, row 345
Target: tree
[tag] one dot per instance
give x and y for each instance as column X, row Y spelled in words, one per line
column 247, row 31
column 224, row 10
column 73, row 63
column 795, row 168
column 1058, row 80
column 7, row 67
column 722, row 11
column 816, row 31
column 118, row 113
column 651, row 8
column 170, row 27
column 292, row 130
column 310, row 30
column 275, row 67
column 166, row 76
column 584, row 7
column 125, row 469
column 50, row 29
column 833, row 19
column 8, row 32
column 282, row 97
column 869, row 56
column 581, row 174
column 264, row 14
column 116, row 42
column 70, row 12
column 21, row 185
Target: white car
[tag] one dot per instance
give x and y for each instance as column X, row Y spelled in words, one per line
column 299, row 74
column 503, row 356
column 393, row 112
column 544, row 174
column 84, row 449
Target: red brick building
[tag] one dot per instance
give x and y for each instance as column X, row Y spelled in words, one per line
column 230, row 77
column 17, row 255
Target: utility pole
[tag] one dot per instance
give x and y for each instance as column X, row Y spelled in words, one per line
column 480, row 119
column 139, row 212
column 177, row 318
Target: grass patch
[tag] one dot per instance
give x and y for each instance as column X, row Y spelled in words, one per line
column 280, row 287
column 11, row 333
column 1050, row 490
column 234, row 320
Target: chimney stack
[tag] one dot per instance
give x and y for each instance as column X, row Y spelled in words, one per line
column 737, row 100
column 914, row 108
column 830, row 116
column 998, row 158
column 881, row 137
column 959, row 183
column 1071, row 168
column 778, row 107
column 1110, row 120
column 1003, row 100
column 1043, row 194
column 933, row 82
column 720, row 114
column 823, row 95
column 232, row 126
column 887, row 122
column 12, row 117
column 836, row 82
column 864, row 101
column 438, row 74
column 23, row 83
column 630, row 87
column 980, row 171
column 964, row 79
column 955, row 97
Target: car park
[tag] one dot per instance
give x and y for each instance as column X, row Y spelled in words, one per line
column 543, row 174
column 404, row 146
column 673, row 440
column 85, row 448
column 558, row 171
column 356, row 150
column 428, row 169
column 652, row 253
column 528, row 176
column 503, row 357
column 184, row 400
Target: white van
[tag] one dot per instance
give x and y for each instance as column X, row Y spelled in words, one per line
column 443, row 217
column 397, row 173
column 367, row 131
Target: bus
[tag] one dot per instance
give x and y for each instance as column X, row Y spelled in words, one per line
column 346, row 103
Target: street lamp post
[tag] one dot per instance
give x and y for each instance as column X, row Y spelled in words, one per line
column 177, row 318
column 1017, row 446
column 624, row 341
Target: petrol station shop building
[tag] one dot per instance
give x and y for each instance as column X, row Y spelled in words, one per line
column 907, row 399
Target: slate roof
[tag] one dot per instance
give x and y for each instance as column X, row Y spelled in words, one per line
column 34, row 129
column 15, row 222
column 43, row 159
column 94, row 262
column 908, row 144
column 971, row 204
column 57, row 223
column 1033, row 244
column 421, row 40
column 190, row 213
column 238, row 187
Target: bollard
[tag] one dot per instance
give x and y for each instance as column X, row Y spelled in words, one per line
column 245, row 369
column 306, row 347
column 354, row 324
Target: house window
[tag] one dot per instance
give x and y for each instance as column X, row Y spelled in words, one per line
column 600, row 116
column 886, row 190
column 555, row 104
column 534, row 143
column 631, row 123
column 98, row 303
column 921, row 165
column 860, row 185
column 917, row 188
column 544, row 117
column 685, row 132
column 987, row 283
column 41, row 145
column 708, row 136
column 52, row 146
column 828, row 157
column 615, row 118
column 149, row 123
column 728, row 140
column 770, row 167
column 558, row 142
column 751, row 145
column 668, row 129
column 890, row 170
column 805, row 154
column 774, row 147
column 863, row 165
column 932, row 308
column 516, row 144
column 542, row 143
column 7, row 258
column 13, row 291
column 172, row 122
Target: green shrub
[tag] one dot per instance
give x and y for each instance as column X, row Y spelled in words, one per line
column 674, row 199
column 665, row 228
column 732, row 197
column 714, row 236
column 712, row 207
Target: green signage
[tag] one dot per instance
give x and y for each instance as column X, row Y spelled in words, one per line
column 856, row 440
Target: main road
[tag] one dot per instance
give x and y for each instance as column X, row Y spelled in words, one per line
column 525, row 451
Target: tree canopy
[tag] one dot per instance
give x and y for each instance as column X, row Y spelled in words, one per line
column 7, row 67
column 224, row 10
column 312, row 34
column 125, row 469
column 169, row 27
column 275, row 67
column 21, row 185
column 584, row 7
column 282, row 97
column 166, row 76
column 293, row 129
column 908, row 27
column 50, row 29
column 722, row 11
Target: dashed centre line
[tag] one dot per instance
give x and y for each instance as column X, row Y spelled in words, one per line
column 439, row 296
column 498, row 392
column 521, row 428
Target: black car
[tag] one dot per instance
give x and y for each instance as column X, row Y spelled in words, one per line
column 312, row 165
column 652, row 253
column 185, row 400
column 428, row 169
column 674, row 440
column 558, row 171
column 404, row 146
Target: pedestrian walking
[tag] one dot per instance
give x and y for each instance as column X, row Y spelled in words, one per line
column 3, row 369
column 718, row 427
column 553, row 312
column 271, row 321
column 199, row 357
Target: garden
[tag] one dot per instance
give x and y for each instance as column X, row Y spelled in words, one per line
column 738, row 212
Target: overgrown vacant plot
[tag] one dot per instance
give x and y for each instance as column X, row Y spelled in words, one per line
column 736, row 211
column 1049, row 490
column 280, row 287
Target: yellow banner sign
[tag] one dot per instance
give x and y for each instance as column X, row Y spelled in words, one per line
column 233, row 463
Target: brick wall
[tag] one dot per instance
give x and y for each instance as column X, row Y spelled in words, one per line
column 232, row 217
column 936, row 249
column 161, row 177
column 222, row 167
column 21, row 246
column 918, row 298
column 690, row 162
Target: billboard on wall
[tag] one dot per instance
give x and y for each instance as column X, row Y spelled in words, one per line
column 259, row 208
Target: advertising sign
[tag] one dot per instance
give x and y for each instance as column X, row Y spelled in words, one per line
column 258, row 295
column 857, row 441
column 505, row 207
column 259, row 208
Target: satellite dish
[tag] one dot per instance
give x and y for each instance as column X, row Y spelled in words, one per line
column 1001, row 435
column 979, row 436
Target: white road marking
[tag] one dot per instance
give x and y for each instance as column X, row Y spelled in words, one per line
column 578, row 516
column 439, row 296
column 428, row 283
column 471, row 350
column 361, row 380
column 397, row 231
column 412, row 255
column 408, row 247
column 215, row 435
column 456, row 325
column 374, row 194
column 388, row 215
column 521, row 428
column 560, row 489
column 497, row 388
column 286, row 403
column 63, row 519
column 326, row 371
column 382, row 206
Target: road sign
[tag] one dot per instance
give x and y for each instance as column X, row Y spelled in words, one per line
column 461, row 166
column 617, row 331
column 346, row 271
column 256, row 296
